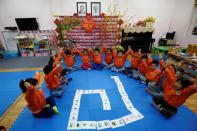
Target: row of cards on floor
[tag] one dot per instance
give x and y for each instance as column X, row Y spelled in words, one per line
column 103, row 124
column 135, row 115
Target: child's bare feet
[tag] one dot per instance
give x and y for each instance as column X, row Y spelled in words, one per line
column 147, row 90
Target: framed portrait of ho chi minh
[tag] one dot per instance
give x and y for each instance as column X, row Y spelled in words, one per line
column 95, row 8
column 81, row 8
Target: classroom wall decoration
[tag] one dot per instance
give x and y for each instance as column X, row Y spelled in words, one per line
column 105, row 29
column 88, row 25
column 101, row 31
column 65, row 24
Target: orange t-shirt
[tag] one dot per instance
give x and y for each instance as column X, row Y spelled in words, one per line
column 98, row 58
column 58, row 60
column 52, row 79
column 151, row 75
column 175, row 100
column 139, row 57
column 35, row 98
column 85, row 59
column 119, row 62
column 145, row 65
column 160, row 75
column 69, row 60
column 135, row 61
column 170, row 78
column 108, row 57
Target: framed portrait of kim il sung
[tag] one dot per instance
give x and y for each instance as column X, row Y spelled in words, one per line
column 95, row 8
column 81, row 8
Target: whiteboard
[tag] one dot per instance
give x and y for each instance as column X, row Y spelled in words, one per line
column 10, row 42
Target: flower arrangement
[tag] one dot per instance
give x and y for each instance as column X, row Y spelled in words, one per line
column 144, row 22
column 150, row 19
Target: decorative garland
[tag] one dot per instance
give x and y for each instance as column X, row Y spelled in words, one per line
column 64, row 25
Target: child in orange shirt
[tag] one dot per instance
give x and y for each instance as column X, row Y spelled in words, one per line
column 40, row 106
column 119, row 60
column 85, row 59
column 52, row 80
column 108, row 58
column 157, row 89
column 151, row 73
column 97, row 57
column 135, row 61
column 174, row 97
column 61, row 72
column 54, row 60
column 142, row 68
column 68, row 57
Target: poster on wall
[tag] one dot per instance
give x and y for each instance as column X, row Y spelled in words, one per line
column 95, row 8
column 81, row 8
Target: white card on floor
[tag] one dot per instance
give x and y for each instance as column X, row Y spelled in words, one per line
column 88, row 124
column 129, row 118
column 137, row 113
column 74, row 126
column 103, row 124
column 117, row 123
column 70, row 125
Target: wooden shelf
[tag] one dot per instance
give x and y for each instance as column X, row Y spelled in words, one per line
column 183, row 58
column 186, row 61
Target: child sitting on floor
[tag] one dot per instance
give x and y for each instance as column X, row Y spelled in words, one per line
column 174, row 97
column 152, row 73
column 97, row 58
column 69, row 59
column 135, row 61
column 85, row 59
column 61, row 72
column 52, row 80
column 40, row 106
column 57, row 58
column 156, row 89
column 108, row 63
column 140, row 74
column 119, row 60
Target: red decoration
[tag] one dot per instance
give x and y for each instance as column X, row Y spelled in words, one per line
column 119, row 36
column 102, row 14
column 140, row 23
column 118, row 43
column 75, row 14
column 58, row 37
column 56, row 30
column 57, row 21
column 119, row 30
column 120, row 22
column 88, row 14
column 88, row 25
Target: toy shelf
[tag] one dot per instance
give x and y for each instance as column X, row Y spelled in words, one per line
column 31, row 47
column 186, row 66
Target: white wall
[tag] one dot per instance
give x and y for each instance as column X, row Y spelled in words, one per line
column 182, row 20
column 170, row 14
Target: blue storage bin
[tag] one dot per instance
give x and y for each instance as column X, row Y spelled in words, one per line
column 10, row 55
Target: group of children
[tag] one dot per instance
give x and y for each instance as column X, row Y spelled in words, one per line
column 168, row 91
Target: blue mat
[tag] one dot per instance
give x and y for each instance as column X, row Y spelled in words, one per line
column 10, row 87
column 91, row 106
